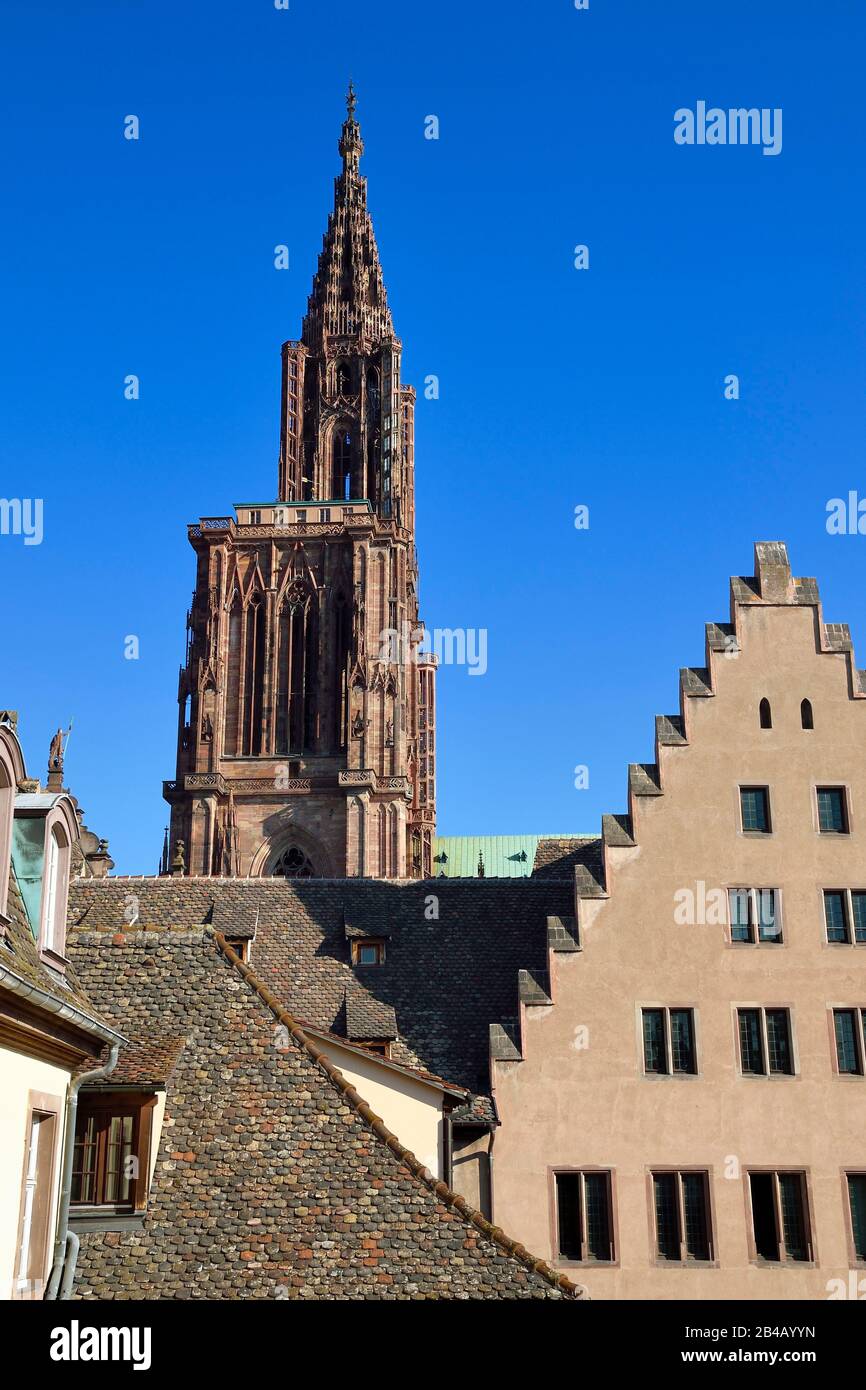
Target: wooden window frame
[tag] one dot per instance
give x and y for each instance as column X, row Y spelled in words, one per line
column 362, row 943
column 106, row 1105
column 241, row 946
column 685, row 1259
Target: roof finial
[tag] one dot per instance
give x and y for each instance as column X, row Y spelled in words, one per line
column 351, row 100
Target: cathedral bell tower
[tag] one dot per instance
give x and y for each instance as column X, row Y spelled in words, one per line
column 306, row 739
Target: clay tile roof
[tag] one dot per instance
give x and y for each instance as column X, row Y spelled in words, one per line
column 273, row 1178
column 150, row 1063
column 558, row 858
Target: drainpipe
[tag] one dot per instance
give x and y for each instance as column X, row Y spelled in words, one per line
column 67, row 1242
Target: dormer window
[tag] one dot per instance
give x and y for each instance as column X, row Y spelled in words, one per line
column 55, row 889
column 369, row 951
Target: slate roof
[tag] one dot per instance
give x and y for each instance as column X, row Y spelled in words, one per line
column 273, row 1178
column 455, row 949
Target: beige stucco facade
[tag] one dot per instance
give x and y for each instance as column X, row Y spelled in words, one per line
column 580, row 1098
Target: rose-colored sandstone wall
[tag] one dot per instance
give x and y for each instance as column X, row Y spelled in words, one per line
column 569, row 1107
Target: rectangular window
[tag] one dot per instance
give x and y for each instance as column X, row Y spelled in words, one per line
column 755, row 915
column 857, row 1206
column 832, row 811
column 849, row 1027
column 858, row 904
column 765, row 1042
column 584, row 1217
column 780, row 1217
column 109, row 1165
column 669, row 1042
column 368, row 952
column 255, row 518
column 755, row 810
column 324, row 513
column 836, row 916
column 682, row 1215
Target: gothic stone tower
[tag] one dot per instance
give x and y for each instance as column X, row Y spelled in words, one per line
column 307, row 714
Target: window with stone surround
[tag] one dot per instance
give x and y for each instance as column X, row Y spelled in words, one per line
column 681, row 1209
column 584, row 1216
column 755, row 810
column 832, row 810
column 781, row 1230
column 755, row 916
column 669, row 1042
column 765, row 1042
column 849, row 1027
column 845, row 916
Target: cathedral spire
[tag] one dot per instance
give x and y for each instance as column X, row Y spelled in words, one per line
column 348, row 297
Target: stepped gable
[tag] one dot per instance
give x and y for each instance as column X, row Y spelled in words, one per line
column 771, row 585
column 447, row 977
column 273, row 1178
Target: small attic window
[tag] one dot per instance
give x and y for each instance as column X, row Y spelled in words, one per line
column 369, row 951
column 55, row 890
column 807, row 719
column 240, row 945
column 766, row 715
column 380, row 1047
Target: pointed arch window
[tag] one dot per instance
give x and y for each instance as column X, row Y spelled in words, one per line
column 297, row 671
column 807, row 718
column 254, row 677
column 340, row 674
column 342, row 454
column 766, row 715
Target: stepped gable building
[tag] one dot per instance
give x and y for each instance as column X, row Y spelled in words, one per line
column 684, row 1114
column 263, row 1172
column 306, row 740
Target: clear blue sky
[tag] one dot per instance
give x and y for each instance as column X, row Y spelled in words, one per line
column 558, row 387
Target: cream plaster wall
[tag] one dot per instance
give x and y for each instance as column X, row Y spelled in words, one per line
column 412, row 1109
column 19, row 1075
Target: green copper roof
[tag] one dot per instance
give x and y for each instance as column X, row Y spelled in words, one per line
column 503, row 856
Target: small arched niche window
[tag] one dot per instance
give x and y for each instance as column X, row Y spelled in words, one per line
column 55, row 889
column 807, row 719
column 766, row 715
